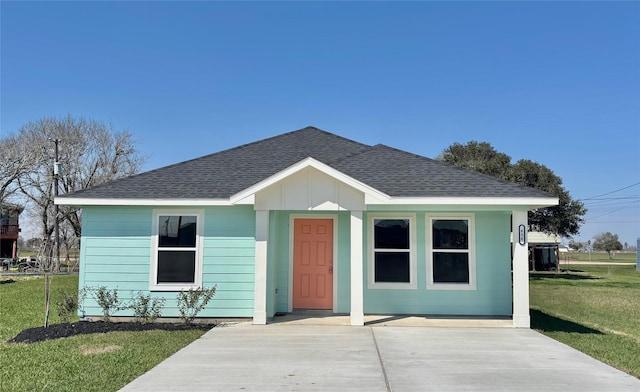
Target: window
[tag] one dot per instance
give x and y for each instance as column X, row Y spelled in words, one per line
column 177, row 250
column 392, row 261
column 450, row 252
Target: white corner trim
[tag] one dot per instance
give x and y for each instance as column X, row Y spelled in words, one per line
column 356, row 311
column 261, row 269
column 303, row 164
column 520, row 265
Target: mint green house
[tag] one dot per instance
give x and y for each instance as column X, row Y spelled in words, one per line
column 310, row 220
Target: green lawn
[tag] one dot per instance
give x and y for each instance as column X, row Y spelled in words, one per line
column 100, row 362
column 618, row 257
column 593, row 308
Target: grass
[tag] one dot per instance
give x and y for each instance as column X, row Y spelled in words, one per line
column 593, row 308
column 601, row 257
column 100, row 362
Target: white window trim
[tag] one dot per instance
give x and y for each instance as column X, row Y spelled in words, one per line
column 153, row 276
column 472, row 252
column 413, row 264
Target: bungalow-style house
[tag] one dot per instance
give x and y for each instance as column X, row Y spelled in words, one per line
column 311, row 220
column 9, row 230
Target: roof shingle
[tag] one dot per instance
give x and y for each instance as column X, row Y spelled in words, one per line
column 223, row 174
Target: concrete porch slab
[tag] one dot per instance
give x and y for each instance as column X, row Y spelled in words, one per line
column 322, row 317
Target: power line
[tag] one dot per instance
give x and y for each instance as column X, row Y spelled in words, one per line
column 608, row 193
column 614, row 198
column 612, row 211
column 631, row 221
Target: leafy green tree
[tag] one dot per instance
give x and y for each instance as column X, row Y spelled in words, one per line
column 607, row 242
column 481, row 157
column 564, row 219
column 576, row 245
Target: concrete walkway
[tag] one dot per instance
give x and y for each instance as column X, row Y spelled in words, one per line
column 284, row 357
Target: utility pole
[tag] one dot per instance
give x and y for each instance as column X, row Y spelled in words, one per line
column 56, row 174
column 47, row 268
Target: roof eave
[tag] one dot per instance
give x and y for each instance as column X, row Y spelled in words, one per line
column 530, row 202
column 87, row 201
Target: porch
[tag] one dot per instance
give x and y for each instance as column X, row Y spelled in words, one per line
column 323, row 317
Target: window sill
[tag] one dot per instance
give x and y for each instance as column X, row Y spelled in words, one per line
column 452, row 286
column 174, row 287
column 391, row 286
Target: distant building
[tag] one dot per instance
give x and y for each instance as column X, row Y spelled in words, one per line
column 544, row 251
column 9, row 230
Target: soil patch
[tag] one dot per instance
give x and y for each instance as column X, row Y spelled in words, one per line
column 65, row 330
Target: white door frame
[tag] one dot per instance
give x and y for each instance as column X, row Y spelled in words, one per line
column 334, row 218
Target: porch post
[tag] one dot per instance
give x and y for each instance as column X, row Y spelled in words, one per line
column 521, row 317
column 260, row 276
column 357, row 302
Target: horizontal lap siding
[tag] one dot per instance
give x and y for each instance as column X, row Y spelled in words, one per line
column 116, row 253
column 229, row 260
column 493, row 274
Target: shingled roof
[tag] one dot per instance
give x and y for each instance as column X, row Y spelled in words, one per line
column 220, row 175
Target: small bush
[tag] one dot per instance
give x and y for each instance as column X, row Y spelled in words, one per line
column 192, row 301
column 146, row 309
column 66, row 305
column 108, row 300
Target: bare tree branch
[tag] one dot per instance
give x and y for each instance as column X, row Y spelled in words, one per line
column 90, row 153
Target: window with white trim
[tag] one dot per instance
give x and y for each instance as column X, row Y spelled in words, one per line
column 451, row 252
column 392, row 261
column 177, row 253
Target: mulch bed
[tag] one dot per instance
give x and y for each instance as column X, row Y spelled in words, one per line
column 57, row 331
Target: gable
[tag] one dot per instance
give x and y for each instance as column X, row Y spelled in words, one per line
column 309, row 189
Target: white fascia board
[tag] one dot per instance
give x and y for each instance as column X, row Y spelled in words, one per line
column 531, row 202
column 73, row 201
column 303, row 164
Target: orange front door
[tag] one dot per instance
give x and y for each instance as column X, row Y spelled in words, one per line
column 313, row 264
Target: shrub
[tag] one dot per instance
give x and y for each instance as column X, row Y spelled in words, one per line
column 192, row 301
column 66, row 305
column 108, row 300
column 146, row 309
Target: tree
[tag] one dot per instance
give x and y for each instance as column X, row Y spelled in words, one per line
column 34, row 243
column 480, row 157
column 564, row 219
column 15, row 161
column 607, row 242
column 575, row 245
column 90, row 153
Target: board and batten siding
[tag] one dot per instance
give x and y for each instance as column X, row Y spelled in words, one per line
column 116, row 252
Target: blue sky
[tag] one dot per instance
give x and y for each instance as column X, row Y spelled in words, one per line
column 553, row 82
